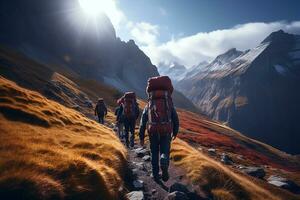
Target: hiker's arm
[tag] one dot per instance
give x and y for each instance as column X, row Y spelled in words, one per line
column 105, row 110
column 175, row 121
column 137, row 111
column 143, row 124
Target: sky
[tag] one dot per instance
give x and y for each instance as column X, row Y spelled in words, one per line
column 191, row 31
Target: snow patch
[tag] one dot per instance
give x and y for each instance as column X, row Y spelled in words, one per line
column 295, row 55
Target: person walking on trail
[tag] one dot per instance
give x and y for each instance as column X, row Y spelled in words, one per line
column 129, row 113
column 119, row 123
column 162, row 123
column 101, row 110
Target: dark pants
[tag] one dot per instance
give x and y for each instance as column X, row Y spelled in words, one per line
column 129, row 126
column 101, row 118
column 159, row 144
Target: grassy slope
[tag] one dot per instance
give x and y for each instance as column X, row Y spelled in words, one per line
column 82, row 142
column 221, row 181
column 50, row 151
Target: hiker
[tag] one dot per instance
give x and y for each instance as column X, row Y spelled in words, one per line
column 119, row 123
column 162, row 122
column 129, row 113
column 101, row 110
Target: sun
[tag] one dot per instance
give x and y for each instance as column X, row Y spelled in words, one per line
column 95, row 7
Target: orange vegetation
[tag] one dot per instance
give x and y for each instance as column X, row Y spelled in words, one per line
column 48, row 151
column 218, row 180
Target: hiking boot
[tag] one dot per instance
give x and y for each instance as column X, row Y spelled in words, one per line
column 164, row 163
column 131, row 143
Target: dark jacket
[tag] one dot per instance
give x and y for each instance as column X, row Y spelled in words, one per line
column 144, row 120
column 100, row 109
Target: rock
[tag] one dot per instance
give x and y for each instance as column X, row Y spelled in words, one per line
column 211, row 151
column 284, row 183
column 178, row 187
column 153, row 191
column 257, row 172
column 141, row 152
column 226, row 159
column 146, row 158
column 138, row 184
column 177, row 196
column 135, row 195
column 89, row 103
column 140, row 166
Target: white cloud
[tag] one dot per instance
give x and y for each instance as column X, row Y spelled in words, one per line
column 144, row 33
column 202, row 46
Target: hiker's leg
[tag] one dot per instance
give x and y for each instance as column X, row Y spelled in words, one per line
column 132, row 129
column 165, row 143
column 122, row 130
column 154, row 147
column 126, row 125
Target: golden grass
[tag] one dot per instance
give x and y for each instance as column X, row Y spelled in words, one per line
column 220, row 181
column 48, row 151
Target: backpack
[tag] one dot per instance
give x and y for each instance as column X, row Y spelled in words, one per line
column 160, row 106
column 129, row 106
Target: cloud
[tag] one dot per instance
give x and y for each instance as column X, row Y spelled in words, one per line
column 144, row 33
column 202, row 46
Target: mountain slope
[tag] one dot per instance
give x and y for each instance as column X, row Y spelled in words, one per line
column 256, row 92
column 51, row 152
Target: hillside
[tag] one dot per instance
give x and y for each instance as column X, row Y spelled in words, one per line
column 51, row 152
column 77, row 139
column 254, row 93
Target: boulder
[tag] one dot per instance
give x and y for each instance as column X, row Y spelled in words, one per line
column 177, row 196
column 141, row 152
column 257, row 172
column 146, row 158
column 179, row 187
column 211, row 151
column 226, row 159
column 284, row 183
column 135, row 195
column 138, row 184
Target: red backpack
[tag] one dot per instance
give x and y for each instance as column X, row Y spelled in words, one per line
column 160, row 105
column 129, row 105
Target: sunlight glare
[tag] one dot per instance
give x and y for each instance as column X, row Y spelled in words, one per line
column 94, row 7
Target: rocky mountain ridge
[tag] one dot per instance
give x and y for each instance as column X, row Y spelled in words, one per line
column 256, row 92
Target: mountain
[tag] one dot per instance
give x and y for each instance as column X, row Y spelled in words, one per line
column 174, row 70
column 256, row 92
column 53, row 149
column 196, row 68
column 57, row 34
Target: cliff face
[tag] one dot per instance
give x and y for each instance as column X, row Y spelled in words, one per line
column 256, row 93
column 55, row 32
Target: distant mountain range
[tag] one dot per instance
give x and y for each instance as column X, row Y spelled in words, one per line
column 256, row 91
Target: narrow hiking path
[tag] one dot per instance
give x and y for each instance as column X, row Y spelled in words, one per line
column 141, row 186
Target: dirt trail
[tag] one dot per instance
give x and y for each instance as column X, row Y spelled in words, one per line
column 141, row 171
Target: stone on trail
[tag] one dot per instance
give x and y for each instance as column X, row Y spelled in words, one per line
column 141, row 152
column 135, row 195
column 138, row 184
column 178, row 187
column 177, row 196
column 257, row 172
column 211, row 151
column 226, row 159
column 284, row 183
column 146, row 158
